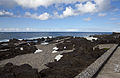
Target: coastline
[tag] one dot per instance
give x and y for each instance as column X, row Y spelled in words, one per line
column 47, row 34
column 75, row 53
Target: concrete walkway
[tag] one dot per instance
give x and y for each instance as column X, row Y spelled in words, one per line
column 112, row 67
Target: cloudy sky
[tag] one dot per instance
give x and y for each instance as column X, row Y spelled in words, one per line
column 60, row 15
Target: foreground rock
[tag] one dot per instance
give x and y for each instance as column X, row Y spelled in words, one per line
column 15, row 47
column 14, row 71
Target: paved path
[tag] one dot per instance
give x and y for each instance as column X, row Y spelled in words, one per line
column 112, row 67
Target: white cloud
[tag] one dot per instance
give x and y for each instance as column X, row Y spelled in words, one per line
column 59, row 7
column 6, row 14
column 28, row 14
column 36, row 30
column 87, row 19
column 45, row 3
column 28, row 29
column 68, row 12
column 10, row 29
column 118, row 23
column 113, row 18
column 8, row 3
column 36, row 3
column 102, row 4
column 116, row 9
column 98, row 29
column 102, row 14
column 89, row 7
column 72, row 30
column 56, row 15
column 17, row 29
column 83, row 7
column 44, row 16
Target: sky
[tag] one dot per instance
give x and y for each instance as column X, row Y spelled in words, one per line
column 59, row 15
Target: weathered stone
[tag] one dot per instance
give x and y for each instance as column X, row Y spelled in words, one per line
column 23, row 71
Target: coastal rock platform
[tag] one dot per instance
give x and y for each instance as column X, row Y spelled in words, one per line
column 37, row 60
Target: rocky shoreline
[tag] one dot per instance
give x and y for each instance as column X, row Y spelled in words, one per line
column 70, row 65
column 16, row 47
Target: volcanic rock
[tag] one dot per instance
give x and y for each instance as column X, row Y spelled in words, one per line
column 14, row 71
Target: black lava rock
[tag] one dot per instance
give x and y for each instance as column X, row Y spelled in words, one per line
column 14, row 71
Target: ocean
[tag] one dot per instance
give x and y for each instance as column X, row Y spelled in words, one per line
column 5, row 36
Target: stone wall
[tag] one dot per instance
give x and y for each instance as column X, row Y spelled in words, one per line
column 93, row 69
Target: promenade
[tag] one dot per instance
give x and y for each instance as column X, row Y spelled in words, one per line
column 112, row 67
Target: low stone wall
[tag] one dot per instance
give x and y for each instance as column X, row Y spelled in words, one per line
column 93, row 69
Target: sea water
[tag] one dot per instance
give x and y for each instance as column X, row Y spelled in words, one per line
column 5, row 36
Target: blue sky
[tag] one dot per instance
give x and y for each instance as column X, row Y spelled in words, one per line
column 60, row 15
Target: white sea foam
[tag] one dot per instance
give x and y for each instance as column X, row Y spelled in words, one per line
column 20, row 39
column 21, row 48
column 33, row 38
column 5, row 40
column 45, row 37
column 91, row 38
column 50, row 36
column 45, row 43
column 58, row 57
column 39, row 37
column 55, row 48
column 64, row 47
column 28, row 43
column 38, row 51
column 54, row 51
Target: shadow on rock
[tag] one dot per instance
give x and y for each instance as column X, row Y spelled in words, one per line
column 22, row 71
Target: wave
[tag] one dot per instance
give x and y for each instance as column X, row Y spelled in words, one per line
column 4, row 37
column 5, row 40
